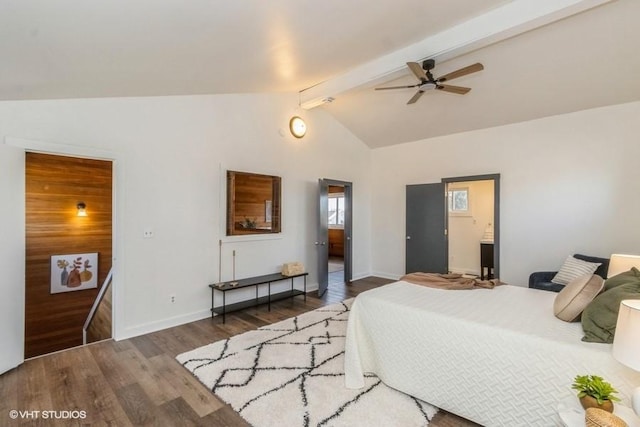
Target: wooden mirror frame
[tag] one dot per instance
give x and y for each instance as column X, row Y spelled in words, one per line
column 244, row 192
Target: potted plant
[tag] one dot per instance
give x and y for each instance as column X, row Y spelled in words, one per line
column 595, row 392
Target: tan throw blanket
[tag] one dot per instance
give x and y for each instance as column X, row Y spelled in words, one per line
column 448, row 281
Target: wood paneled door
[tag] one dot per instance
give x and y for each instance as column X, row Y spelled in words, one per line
column 54, row 185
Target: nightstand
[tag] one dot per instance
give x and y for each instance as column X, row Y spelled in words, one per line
column 486, row 259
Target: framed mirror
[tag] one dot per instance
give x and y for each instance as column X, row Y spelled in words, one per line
column 253, row 203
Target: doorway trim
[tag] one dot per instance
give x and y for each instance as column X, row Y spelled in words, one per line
column 495, row 177
column 117, row 196
column 348, row 229
column 348, row 225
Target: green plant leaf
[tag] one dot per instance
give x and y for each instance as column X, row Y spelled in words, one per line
column 594, row 386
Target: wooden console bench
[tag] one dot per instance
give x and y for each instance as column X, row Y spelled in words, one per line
column 255, row 281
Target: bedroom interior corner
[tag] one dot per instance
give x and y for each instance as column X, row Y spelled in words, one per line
column 178, row 94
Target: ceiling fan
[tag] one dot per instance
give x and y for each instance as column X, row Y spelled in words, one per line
column 427, row 81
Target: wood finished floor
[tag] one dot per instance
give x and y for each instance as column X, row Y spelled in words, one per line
column 138, row 381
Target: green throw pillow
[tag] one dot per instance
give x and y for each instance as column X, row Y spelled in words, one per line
column 632, row 275
column 600, row 317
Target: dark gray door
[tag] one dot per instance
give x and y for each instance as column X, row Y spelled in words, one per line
column 322, row 246
column 426, row 241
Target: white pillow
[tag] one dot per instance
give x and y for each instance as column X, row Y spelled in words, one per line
column 574, row 268
column 574, row 298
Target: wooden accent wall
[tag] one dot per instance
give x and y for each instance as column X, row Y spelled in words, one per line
column 336, row 235
column 336, row 189
column 251, row 193
column 247, row 194
column 54, row 186
column 336, row 242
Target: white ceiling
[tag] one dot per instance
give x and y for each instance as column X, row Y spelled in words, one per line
column 585, row 61
column 87, row 48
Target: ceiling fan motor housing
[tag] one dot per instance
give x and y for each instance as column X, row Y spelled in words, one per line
column 428, row 64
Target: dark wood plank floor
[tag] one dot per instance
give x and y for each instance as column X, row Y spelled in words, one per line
column 139, row 382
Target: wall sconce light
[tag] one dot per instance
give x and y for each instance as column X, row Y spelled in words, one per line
column 297, row 126
column 82, row 209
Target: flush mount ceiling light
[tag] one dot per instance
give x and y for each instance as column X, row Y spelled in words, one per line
column 82, row 209
column 297, row 126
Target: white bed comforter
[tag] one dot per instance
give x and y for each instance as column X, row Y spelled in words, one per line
column 497, row 357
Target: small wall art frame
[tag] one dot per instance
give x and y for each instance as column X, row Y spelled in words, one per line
column 74, row 272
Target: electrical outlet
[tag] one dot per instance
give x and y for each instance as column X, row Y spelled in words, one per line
column 147, row 233
column 172, row 298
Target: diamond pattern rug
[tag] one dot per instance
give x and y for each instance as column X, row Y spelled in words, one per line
column 291, row 373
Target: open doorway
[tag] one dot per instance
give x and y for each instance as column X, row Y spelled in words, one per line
column 470, row 217
column 68, row 249
column 427, row 222
column 473, row 225
column 334, row 233
column 336, row 215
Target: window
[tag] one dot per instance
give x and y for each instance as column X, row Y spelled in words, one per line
column 336, row 210
column 458, row 201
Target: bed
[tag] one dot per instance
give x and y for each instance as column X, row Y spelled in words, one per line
column 497, row 356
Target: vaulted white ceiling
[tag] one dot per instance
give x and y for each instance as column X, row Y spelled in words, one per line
column 79, row 48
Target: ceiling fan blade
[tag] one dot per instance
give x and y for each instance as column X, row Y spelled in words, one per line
column 396, row 87
column 461, row 72
column 417, row 70
column 453, row 89
column 415, row 97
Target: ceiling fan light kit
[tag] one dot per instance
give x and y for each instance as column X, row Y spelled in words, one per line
column 427, row 81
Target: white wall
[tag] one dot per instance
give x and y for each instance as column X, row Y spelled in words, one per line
column 568, row 184
column 12, row 256
column 170, row 155
column 466, row 231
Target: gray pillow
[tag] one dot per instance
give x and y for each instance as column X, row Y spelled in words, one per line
column 600, row 317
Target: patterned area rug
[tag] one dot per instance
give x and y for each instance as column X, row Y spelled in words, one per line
column 291, row 373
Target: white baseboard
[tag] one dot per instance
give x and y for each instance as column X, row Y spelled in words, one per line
column 358, row 276
column 147, row 328
column 462, row 270
column 385, row 275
